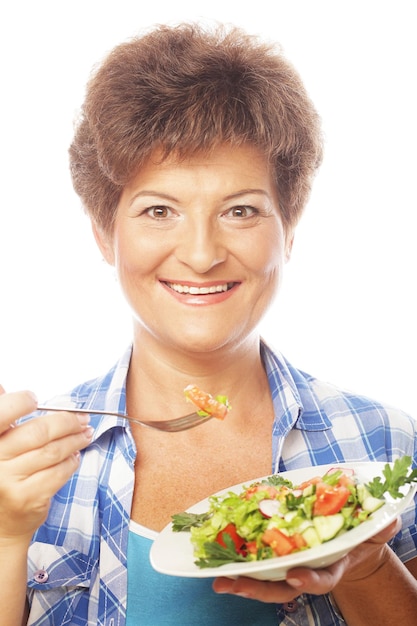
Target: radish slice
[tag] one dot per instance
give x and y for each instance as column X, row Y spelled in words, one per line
column 268, row 507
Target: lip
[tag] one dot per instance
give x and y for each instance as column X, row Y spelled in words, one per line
column 199, row 294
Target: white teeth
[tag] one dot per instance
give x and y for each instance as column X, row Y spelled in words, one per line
column 198, row 290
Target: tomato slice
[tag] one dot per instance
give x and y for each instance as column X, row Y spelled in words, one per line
column 329, row 499
column 238, row 541
column 346, row 481
column 311, row 481
column 205, row 402
column 251, row 547
column 280, row 543
column 299, row 540
column 269, row 490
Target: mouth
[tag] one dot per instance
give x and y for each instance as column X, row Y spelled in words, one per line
column 200, row 291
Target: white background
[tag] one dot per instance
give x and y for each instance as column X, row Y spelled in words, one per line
column 347, row 310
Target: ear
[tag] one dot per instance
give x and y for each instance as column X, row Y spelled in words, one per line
column 104, row 241
column 289, row 240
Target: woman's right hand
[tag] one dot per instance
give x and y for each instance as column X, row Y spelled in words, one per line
column 36, row 459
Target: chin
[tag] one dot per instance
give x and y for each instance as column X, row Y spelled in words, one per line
column 197, row 345
column 200, row 347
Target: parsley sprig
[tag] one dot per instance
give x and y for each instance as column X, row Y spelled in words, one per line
column 217, row 555
column 396, row 476
column 184, row 521
column 276, row 480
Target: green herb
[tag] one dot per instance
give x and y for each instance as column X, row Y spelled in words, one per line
column 293, row 502
column 395, row 477
column 184, row 521
column 217, row 555
column 223, row 400
column 276, row 480
column 332, row 478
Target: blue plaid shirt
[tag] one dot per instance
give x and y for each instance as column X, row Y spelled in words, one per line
column 77, row 567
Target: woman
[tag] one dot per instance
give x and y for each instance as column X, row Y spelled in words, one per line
column 194, row 158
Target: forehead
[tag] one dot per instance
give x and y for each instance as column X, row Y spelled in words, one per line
column 246, row 161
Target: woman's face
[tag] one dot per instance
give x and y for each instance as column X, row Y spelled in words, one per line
column 199, row 248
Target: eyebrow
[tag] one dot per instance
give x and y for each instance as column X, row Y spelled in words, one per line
column 244, row 192
column 165, row 196
column 149, row 192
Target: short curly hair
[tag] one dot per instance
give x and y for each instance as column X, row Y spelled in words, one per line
column 185, row 89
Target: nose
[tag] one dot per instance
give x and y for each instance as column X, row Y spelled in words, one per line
column 201, row 246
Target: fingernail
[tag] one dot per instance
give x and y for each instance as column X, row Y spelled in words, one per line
column 83, row 418
column 294, row 582
column 88, row 432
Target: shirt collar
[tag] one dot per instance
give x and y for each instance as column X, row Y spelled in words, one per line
column 109, row 392
column 295, row 404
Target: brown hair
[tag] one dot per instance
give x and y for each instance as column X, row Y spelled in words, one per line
column 187, row 89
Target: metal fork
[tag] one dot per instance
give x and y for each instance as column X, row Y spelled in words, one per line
column 170, row 426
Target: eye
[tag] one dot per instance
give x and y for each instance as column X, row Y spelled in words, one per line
column 242, row 211
column 159, row 212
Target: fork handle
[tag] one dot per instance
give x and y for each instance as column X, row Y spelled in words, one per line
column 92, row 411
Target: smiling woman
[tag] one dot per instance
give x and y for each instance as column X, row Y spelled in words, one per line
column 210, row 224
column 194, row 158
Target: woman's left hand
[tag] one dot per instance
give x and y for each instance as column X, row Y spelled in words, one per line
column 360, row 563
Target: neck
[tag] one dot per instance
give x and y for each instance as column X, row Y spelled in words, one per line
column 158, row 375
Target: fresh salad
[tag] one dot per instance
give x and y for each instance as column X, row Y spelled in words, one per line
column 273, row 517
column 217, row 406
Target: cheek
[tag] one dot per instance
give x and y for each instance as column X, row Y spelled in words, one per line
column 139, row 258
column 268, row 254
column 130, row 263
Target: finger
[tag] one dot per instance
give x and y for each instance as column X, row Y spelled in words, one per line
column 14, row 405
column 387, row 533
column 264, row 591
column 316, row 581
column 40, row 431
column 50, row 455
column 24, row 509
column 299, row 580
column 2, row 390
column 51, row 479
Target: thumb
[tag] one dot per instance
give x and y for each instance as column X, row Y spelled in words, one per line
column 388, row 533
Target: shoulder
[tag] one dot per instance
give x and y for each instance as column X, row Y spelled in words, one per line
column 350, row 414
column 324, row 404
column 335, row 399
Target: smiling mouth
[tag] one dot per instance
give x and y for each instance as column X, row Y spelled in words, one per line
column 200, row 291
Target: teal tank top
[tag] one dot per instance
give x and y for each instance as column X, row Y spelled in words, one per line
column 155, row 599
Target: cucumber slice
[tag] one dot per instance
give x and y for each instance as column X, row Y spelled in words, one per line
column 327, row 526
column 311, row 537
column 371, row 504
column 362, row 493
column 347, row 511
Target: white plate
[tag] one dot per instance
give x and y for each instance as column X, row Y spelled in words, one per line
column 172, row 552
